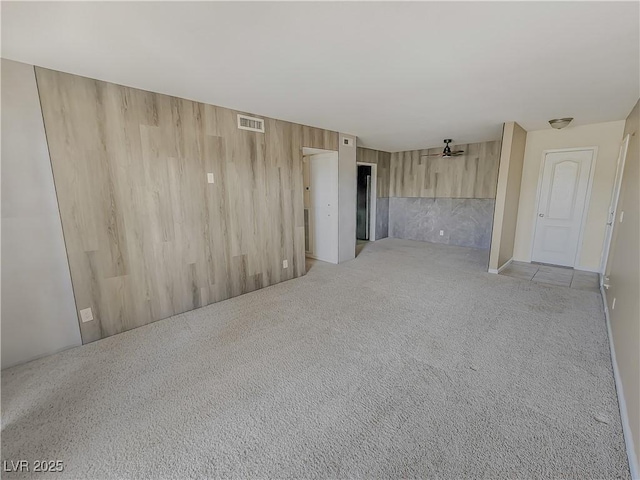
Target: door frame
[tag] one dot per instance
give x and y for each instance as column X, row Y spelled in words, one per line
column 583, row 220
column 374, row 197
column 613, row 205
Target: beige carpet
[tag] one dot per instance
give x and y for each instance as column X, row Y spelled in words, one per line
column 409, row 361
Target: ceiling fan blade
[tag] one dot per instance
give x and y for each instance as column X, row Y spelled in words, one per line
column 432, row 155
column 457, row 152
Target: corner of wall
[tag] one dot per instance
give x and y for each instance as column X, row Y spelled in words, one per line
column 347, row 173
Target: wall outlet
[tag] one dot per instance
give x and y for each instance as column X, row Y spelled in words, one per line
column 442, row 233
column 86, row 315
column 210, row 178
column 613, row 304
column 285, row 263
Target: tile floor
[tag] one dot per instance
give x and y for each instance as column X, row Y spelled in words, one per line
column 360, row 244
column 550, row 275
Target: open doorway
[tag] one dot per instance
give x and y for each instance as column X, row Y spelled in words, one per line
column 365, row 205
column 320, row 180
column 613, row 209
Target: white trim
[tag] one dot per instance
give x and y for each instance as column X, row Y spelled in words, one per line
column 624, row 417
column 587, row 197
column 499, row 269
column 374, row 198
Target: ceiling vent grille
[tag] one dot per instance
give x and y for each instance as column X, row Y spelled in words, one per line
column 250, row 123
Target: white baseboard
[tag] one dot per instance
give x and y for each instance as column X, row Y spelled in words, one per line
column 626, row 426
column 498, row 270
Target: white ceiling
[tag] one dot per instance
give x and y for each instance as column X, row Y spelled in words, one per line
column 398, row 75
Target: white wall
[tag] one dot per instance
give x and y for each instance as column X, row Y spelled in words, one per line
column 605, row 136
column 347, row 191
column 38, row 309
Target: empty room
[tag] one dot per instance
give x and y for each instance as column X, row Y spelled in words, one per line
column 251, row 240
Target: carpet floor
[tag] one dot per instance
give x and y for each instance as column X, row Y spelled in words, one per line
column 409, row 361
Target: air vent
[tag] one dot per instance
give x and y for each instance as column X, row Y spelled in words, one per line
column 250, row 123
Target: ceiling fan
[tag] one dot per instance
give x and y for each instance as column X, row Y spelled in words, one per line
column 446, row 153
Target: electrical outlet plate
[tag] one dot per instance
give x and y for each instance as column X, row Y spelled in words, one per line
column 210, row 178
column 442, row 233
column 86, row 315
column 285, row 264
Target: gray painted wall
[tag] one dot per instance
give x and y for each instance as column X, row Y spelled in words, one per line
column 382, row 218
column 38, row 309
column 466, row 222
column 347, row 178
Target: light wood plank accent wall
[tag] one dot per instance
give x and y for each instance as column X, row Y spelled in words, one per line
column 472, row 175
column 147, row 236
column 383, row 160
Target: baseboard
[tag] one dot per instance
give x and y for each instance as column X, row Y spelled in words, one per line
column 626, row 426
column 498, row 270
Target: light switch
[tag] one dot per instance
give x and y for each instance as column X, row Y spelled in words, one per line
column 210, row 177
column 285, row 264
column 86, row 315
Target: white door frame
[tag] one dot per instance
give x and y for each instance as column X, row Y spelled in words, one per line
column 613, row 206
column 374, row 196
column 583, row 220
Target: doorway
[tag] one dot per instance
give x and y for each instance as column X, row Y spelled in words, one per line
column 613, row 206
column 320, row 181
column 564, row 190
column 366, row 203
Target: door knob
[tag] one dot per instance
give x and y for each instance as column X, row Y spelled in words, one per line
column 541, row 214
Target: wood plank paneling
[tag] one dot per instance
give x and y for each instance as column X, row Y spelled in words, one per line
column 472, row 175
column 147, row 236
column 383, row 160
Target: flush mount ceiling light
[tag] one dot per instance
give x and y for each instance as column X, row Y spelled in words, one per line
column 560, row 122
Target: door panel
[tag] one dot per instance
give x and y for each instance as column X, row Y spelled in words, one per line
column 563, row 199
column 323, row 206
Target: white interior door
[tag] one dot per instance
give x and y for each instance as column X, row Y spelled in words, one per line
column 563, row 197
column 613, row 206
column 323, row 206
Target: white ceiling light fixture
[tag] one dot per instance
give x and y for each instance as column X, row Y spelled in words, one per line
column 560, row 122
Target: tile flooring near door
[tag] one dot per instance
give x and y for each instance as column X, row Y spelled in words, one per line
column 552, row 275
column 360, row 244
